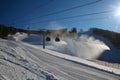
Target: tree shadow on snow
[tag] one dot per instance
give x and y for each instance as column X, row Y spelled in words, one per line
column 110, row 56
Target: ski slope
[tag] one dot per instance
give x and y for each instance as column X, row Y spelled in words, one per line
column 23, row 61
column 86, row 45
column 16, row 63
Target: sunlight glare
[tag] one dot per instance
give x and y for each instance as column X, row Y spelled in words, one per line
column 118, row 12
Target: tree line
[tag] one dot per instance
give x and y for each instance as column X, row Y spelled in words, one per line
column 114, row 37
column 5, row 30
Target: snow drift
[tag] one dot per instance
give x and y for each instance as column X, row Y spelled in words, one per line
column 17, row 36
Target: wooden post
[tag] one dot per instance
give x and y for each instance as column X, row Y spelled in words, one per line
column 43, row 39
column 28, row 28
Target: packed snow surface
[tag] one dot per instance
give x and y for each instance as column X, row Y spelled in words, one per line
column 23, row 61
column 17, row 63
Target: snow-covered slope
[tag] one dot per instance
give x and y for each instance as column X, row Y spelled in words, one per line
column 33, row 39
column 25, row 61
column 22, row 61
column 16, row 63
column 86, row 45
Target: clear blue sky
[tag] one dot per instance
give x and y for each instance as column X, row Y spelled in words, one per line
column 23, row 13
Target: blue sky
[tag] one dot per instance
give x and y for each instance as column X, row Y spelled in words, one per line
column 24, row 13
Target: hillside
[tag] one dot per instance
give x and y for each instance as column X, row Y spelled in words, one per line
column 86, row 45
column 114, row 37
column 20, row 60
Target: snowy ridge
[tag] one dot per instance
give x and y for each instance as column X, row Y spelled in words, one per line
column 76, row 59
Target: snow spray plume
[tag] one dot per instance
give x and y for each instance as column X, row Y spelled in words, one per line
column 86, row 47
